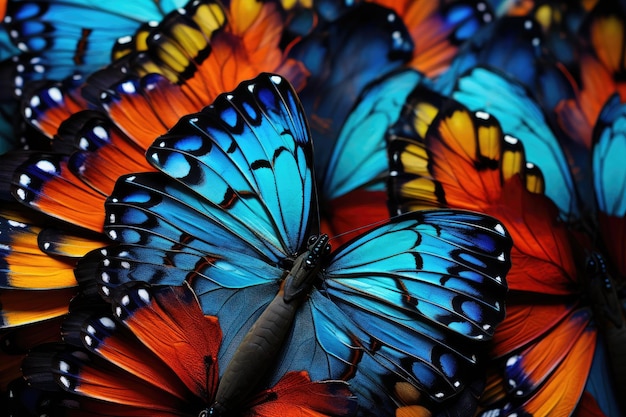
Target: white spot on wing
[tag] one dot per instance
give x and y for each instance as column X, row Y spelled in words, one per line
column 55, row 94
column 144, row 295
column 46, row 166
column 482, row 115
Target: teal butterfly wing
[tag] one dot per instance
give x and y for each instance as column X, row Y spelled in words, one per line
column 344, row 55
column 57, row 45
column 359, row 156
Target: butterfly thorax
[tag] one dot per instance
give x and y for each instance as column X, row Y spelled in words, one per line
column 257, row 352
column 299, row 280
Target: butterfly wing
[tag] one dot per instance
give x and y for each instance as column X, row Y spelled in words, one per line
column 154, row 352
column 527, row 122
column 514, row 45
column 207, row 48
column 610, row 284
column 359, row 156
column 604, row 30
column 257, row 136
column 36, row 276
column 352, row 186
column 64, row 46
column 343, row 56
column 413, row 289
column 609, row 143
column 439, row 29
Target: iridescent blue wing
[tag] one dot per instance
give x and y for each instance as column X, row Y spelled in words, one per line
column 343, row 56
column 241, row 154
column 609, row 144
column 520, row 115
column 233, row 204
column 420, row 294
column 359, row 157
column 76, row 36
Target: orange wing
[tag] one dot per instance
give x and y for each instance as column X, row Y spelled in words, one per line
column 222, row 48
column 577, row 117
column 436, row 34
column 35, row 286
column 465, row 160
column 296, row 395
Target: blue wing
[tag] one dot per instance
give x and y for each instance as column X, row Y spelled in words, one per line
column 421, row 293
column 609, row 145
column 343, row 56
column 514, row 46
column 64, row 45
column 359, row 157
column 242, row 153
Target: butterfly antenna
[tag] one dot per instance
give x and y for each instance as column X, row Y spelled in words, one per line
column 359, row 229
column 315, row 202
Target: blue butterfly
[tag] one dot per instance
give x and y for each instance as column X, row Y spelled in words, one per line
column 233, row 211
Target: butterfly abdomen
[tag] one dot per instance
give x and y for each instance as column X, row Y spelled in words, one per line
column 261, row 345
column 255, row 354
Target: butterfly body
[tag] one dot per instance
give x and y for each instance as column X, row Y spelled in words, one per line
column 261, row 345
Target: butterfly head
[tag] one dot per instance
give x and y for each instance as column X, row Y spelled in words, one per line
column 300, row 278
column 318, row 249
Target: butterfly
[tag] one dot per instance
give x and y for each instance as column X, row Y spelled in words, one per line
column 463, row 158
column 233, row 211
column 153, row 351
